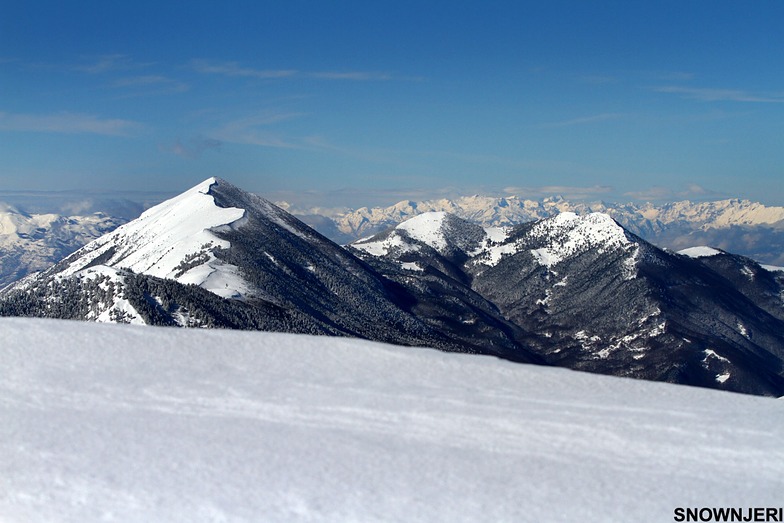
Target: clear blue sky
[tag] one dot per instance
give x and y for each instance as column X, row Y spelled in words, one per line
column 368, row 102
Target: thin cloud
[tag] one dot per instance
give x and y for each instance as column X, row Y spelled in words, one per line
column 596, row 118
column 109, row 62
column 651, row 194
column 149, row 85
column 669, row 76
column 719, row 95
column 67, row 123
column 597, row 79
column 254, row 130
column 351, row 75
column 135, row 81
column 192, row 148
column 569, row 192
column 659, row 193
column 236, row 70
column 105, row 63
column 96, row 65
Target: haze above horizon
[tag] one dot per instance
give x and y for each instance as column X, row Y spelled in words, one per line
column 364, row 103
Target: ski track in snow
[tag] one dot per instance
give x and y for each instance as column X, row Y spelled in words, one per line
column 102, row 423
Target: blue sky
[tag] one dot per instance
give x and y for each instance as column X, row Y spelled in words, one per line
column 357, row 103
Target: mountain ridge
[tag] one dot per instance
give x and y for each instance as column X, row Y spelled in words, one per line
column 265, row 269
column 736, row 225
column 604, row 300
column 578, row 291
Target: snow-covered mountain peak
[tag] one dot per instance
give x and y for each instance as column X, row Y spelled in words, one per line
column 439, row 230
column 427, row 228
column 558, row 238
column 567, row 234
column 175, row 240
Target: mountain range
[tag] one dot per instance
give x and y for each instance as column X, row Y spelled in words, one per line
column 740, row 226
column 32, row 242
column 574, row 290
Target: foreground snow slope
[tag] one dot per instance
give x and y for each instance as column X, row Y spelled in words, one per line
column 105, row 423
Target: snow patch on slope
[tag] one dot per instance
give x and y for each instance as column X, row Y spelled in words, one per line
column 386, row 245
column 702, row 251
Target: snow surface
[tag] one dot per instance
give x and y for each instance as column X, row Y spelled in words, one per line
column 139, row 424
column 773, row 268
column 700, row 252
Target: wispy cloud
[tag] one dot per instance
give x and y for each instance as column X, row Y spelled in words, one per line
column 596, row 118
column 597, row 79
column 235, row 69
column 656, row 193
column 108, row 62
column 570, row 192
column 104, row 63
column 362, row 76
column 720, row 95
column 95, row 65
column 67, row 123
column 668, row 76
column 659, row 193
column 149, row 85
column 192, row 148
column 255, row 130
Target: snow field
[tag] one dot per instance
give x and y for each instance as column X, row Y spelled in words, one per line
column 125, row 423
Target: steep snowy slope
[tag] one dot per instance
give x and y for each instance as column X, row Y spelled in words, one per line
column 102, row 423
column 174, row 240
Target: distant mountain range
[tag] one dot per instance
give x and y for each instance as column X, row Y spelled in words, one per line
column 572, row 290
column 738, row 226
column 32, row 242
